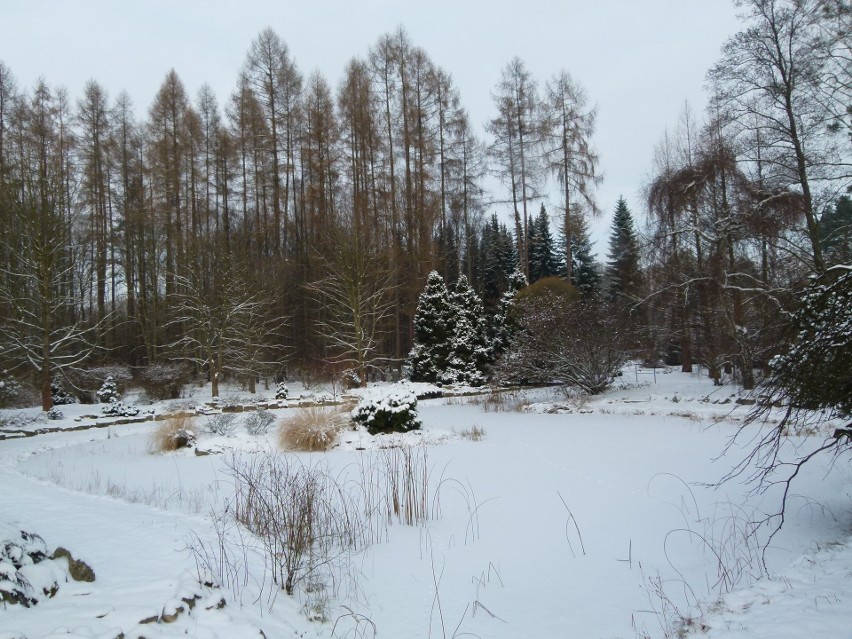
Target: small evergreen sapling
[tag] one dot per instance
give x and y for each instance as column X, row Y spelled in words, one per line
column 59, row 395
column 108, row 392
column 282, row 392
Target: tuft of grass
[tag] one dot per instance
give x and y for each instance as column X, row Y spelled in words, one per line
column 475, row 433
column 172, row 434
column 311, row 429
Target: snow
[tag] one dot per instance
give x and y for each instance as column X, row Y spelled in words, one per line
column 572, row 517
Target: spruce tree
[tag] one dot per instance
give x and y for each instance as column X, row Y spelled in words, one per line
column 504, row 324
column 469, row 353
column 585, row 268
column 497, row 259
column 622, row 270
column 836, row 232
column 432, row 331
column 542, row 253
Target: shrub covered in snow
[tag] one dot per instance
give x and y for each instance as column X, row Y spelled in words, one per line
column 223, row 424
column 582, row 344
column 19, row 552
column 9, row 388
column 59, row 395
column 258, row 422
column 117, row 408
column 396, row 412
column 350, row 378
column 163, row 381
column 55, row 414
column 282, row 392
column 814, row 372
column 108, row 392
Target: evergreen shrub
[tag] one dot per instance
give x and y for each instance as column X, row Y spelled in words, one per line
column 396, row 412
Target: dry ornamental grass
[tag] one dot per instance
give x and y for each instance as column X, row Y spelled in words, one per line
column 312, row 429
column 172, row 434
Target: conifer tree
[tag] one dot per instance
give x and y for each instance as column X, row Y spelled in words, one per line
column 836, row 232
column 585, row 274
column 432, row 331
column 469, row 353
column 504, row 323
column 497, row 260
column 542, row 253
column 623, row 267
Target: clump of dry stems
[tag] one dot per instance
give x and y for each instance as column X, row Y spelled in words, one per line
column 312, row 429
column 172, row 434
column 475, row 433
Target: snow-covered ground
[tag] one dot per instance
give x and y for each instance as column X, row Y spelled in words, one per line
column 570, row 517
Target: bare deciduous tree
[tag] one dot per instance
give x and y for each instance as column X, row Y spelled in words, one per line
column 567, row 129
column 357, row 295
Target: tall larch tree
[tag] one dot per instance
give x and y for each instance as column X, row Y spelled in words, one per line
column 516, row 146
column 567, row 127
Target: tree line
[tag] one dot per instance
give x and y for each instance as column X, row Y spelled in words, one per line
column 298, row 222
column 289, row 222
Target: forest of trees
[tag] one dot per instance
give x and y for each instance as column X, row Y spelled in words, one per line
column 294, row 224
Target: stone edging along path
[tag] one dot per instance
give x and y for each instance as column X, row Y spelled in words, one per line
column 212, row 408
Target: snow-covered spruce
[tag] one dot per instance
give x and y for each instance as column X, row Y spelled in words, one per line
column 59, row 395
column 282, row 392
column 108, row 392
column 395, row 412
column 450, row 343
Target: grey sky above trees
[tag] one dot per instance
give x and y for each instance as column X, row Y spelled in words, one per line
column 638, row 61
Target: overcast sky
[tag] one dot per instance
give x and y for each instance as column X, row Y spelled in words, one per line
column 639, row 60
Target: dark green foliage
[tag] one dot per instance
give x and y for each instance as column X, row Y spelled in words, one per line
column 281, row 391
column 504, row 324
column 542, row 251
column 108, row 391
column 625, row 279
column 9, row 389
column 836, row 232
column 585, row 273
column 394, row 413
column 816, row 371
column 497, row 260
column 59, row 394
